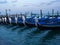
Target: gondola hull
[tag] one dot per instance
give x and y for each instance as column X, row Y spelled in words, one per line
column 20, row 21
column 30, row 24
column 20, row 24
column 47, row 27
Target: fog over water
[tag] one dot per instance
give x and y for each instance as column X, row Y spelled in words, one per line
column 18, row 6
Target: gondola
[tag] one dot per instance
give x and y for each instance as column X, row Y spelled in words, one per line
column 5, row 20
column 13, row 20
column 50, row 24
column 20, row 21
column 1, row 21
column 30, row 22
column 8, row 20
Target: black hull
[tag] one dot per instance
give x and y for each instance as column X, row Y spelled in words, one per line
column 30, row 25
column 20, row 24
column 48, row 28
column 3, row 23
column 14, row 24
column 8, row 22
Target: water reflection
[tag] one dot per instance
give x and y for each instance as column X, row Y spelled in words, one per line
column 17, row 35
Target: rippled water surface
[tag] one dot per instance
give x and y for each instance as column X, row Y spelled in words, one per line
column 16, row 35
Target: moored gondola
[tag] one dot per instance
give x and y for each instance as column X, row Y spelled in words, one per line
column 31, row 22
column 20, row 21
column 50, row 24
column 13, row 20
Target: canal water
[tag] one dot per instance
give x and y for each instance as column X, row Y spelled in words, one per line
column 17, row 35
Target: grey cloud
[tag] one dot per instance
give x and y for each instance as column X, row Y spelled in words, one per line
column 14, row 1
column 53, row 2
column 3, row 2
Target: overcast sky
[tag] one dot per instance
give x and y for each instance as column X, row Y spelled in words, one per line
column 29, row 5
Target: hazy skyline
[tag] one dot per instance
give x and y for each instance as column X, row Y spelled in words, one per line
column 29, row 5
